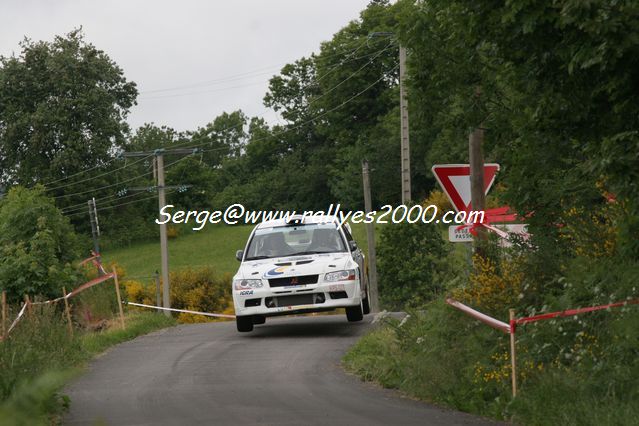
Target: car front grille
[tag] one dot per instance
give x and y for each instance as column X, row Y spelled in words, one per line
column 295, row 299
column 287, row 281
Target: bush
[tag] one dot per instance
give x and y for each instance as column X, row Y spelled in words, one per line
column 37, row 245
column 411, row 260
column 199, row 290
column 495, row 285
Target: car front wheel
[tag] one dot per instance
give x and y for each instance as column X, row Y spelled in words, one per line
column 366, row 304
column 354, row 313
column 244, row 324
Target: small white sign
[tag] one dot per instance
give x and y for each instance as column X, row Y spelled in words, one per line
column 463, row 235
column 456, row 235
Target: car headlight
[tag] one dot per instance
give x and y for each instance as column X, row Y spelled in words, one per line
column 347, row 275
column 247, row 284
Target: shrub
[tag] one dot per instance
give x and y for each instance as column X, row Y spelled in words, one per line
column 410, row 258
column 192, row 289
column 200, row 290
column 37, row 245
column 172, row 232
column 495, row 284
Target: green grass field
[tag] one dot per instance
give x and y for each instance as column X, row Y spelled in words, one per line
column 214, row 246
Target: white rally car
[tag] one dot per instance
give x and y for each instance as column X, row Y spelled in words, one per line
column 303, row 264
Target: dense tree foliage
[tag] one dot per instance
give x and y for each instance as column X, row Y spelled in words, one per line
column 37, row 245
column 62, row 110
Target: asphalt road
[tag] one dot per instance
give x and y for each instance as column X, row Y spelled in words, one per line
column 286, row 372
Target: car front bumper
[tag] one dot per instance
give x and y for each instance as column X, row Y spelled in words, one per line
column 273, row 301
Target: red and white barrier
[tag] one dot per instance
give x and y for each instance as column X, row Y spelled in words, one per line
column 573, row 312
column 511, row 328
column 105, row 277
column 494, row 323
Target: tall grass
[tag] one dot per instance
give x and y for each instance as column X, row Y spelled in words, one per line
column 40, row 356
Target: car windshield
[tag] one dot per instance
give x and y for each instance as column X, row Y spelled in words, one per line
column 295, row 240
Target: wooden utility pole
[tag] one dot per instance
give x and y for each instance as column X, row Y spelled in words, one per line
column 405, row 143
column 370, row 237
column 477, row 192
column 164, row 247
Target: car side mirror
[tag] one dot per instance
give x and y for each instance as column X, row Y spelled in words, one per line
column 352, row 245
column 239, row 255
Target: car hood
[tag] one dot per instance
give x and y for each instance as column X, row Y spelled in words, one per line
column 292, row 266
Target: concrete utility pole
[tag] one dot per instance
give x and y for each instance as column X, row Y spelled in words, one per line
column 95, row 229
column 164, row 246
column 405, row 143
column 370, row 237
column 477, row 193
column 403, row 107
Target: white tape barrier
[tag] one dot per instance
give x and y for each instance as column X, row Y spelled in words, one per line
column 208, row 314
column 15, row 321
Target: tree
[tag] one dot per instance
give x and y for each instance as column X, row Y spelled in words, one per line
column 224, row 137
column 37, row 245
column 63, row 106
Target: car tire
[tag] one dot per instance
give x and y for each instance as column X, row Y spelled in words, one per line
column 259, row 319
column 244, row 324
column 354, row 313
column 366, row 305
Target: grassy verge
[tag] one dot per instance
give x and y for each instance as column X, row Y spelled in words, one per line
column 40, row 357
column 443, row 357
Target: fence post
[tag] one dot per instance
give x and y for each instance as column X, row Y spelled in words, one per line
column 513, row 361
column 4, row 314
column 27, row 301
column 158, row 294
column 67, row 311
column 117, row 292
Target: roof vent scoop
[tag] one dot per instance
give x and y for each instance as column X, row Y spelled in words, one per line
column 295, row 220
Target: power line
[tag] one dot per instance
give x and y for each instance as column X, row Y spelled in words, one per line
column 82, row 171
column 97, row 176
column 246, row 74
column 203, row 92
column 81, row 206
column 120, row 205
column 112, row 185
column 325, row 112
column 312, row 100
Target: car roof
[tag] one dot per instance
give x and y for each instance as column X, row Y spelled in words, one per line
column 299, row 219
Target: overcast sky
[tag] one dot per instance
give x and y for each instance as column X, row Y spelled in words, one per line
column 191, row 59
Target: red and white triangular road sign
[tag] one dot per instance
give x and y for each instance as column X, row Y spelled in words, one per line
column 455, row 181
